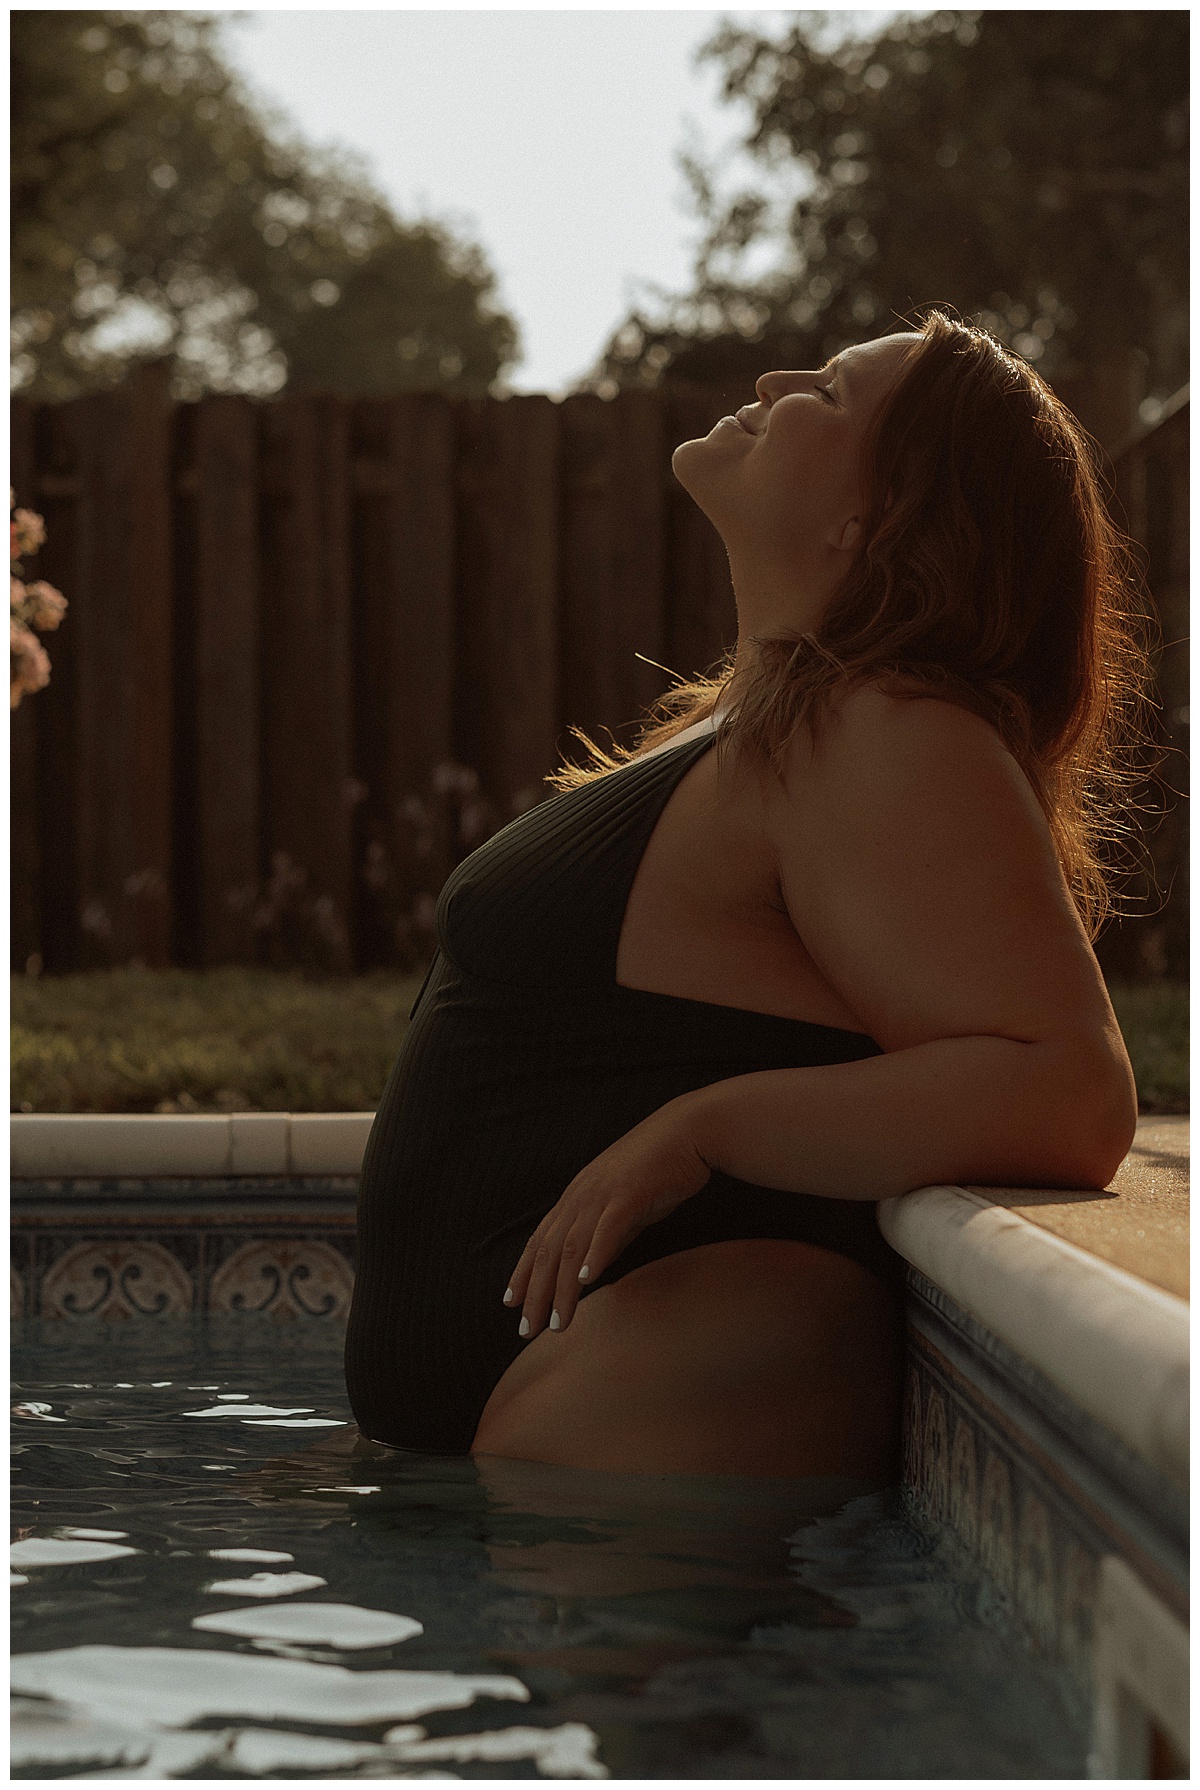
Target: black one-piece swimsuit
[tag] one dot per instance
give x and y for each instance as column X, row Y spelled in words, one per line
column 524, row 1060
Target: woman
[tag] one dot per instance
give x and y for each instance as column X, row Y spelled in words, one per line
column 693, row 1018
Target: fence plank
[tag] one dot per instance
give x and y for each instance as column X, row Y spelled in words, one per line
column 121, row 637
column 702, row 619
column 612, row 498
column 1105, row 397
column 587, row 429
column 1151, row 481
column 306, row 657
column 146, row 884
column 508, row 535
column 1167, row 535
column 25, row 920
column 644, row 466
column 404, row 530
column 226, row 662
column 103, row 640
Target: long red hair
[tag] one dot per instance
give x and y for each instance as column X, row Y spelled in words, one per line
column 992, row 575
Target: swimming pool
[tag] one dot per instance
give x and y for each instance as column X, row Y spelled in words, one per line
column 216, row 1577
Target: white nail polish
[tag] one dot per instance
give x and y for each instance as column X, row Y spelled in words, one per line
column 584, row 1272
column 523, row 1327
column 555, row 1321
column 508, row 1295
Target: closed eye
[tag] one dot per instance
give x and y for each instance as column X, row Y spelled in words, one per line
column 827, row 393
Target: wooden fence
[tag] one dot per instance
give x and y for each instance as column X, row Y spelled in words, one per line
column 318, row 648
column 296, row 630
column 1151, row 480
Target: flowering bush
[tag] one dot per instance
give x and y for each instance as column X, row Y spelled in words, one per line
column 403, row 871
column 298, row 929
column 35, row 605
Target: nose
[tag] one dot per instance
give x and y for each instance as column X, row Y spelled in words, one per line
column 770, row 386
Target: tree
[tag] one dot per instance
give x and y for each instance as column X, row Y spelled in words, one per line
column 1029, row 168
column 155, row 212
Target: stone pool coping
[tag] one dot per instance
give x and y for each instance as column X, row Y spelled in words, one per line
column 1115, row 1345
column 1140, row 1221
column 98, row 1146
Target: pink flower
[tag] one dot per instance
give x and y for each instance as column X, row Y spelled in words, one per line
column 26, row 533
column 47, row 606
column 453, row 779
column 29, row 668
column 36, row 605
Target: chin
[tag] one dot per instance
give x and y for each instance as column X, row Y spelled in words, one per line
column 697, row 464
column 683, row 457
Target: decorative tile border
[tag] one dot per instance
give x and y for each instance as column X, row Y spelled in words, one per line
column 287, row 1277
column 1037, row 1493
column 122, row 1250
column 1046, row 1423
column 122, row 1278
column 1115, row 1348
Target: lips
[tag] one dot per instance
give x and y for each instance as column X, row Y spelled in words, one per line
column 742, row 420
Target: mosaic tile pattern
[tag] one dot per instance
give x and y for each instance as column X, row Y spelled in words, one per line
column 117, row 1279
column 119, row 1251
column 293, row 1278
column 1028, row 1491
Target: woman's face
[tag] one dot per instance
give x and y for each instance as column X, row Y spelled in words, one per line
column 780, row 481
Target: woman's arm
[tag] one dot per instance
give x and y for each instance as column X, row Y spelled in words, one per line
column 920, row 874
column 979, row 1109
column 918, row 869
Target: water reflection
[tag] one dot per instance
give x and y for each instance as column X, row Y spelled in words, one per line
column 343, row 1626
column 265, row 1584
column 400, row 1610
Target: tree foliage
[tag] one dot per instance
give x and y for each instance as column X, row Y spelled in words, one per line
column 1029, row 168
column 156, row 212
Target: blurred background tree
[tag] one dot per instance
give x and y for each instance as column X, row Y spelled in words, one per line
column 1030, row 168
column 157, row 213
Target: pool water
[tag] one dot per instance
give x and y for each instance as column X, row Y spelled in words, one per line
column 215, row 1576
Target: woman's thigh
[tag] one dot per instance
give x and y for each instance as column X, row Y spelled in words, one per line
column 756, row 1357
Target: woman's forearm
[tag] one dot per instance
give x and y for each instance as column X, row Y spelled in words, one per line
column 981, row 1109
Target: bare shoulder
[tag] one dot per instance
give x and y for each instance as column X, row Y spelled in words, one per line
column 918, row 867
column 919, row 755
column 873, row 714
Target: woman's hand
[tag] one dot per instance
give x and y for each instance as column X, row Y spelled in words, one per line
column 636, row 1181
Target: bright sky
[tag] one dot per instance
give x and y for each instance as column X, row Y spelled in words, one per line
column 548, row 136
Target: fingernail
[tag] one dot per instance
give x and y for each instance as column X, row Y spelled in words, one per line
column 523, row 1327
column 555, row 1321
column 508, row 1295
column 584, row 1272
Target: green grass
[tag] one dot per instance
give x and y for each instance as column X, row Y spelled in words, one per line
column 247, row 1039
column 1153, row 1018
column 139, row 1041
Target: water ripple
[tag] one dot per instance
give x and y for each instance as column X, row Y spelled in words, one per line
column 648, row 1628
